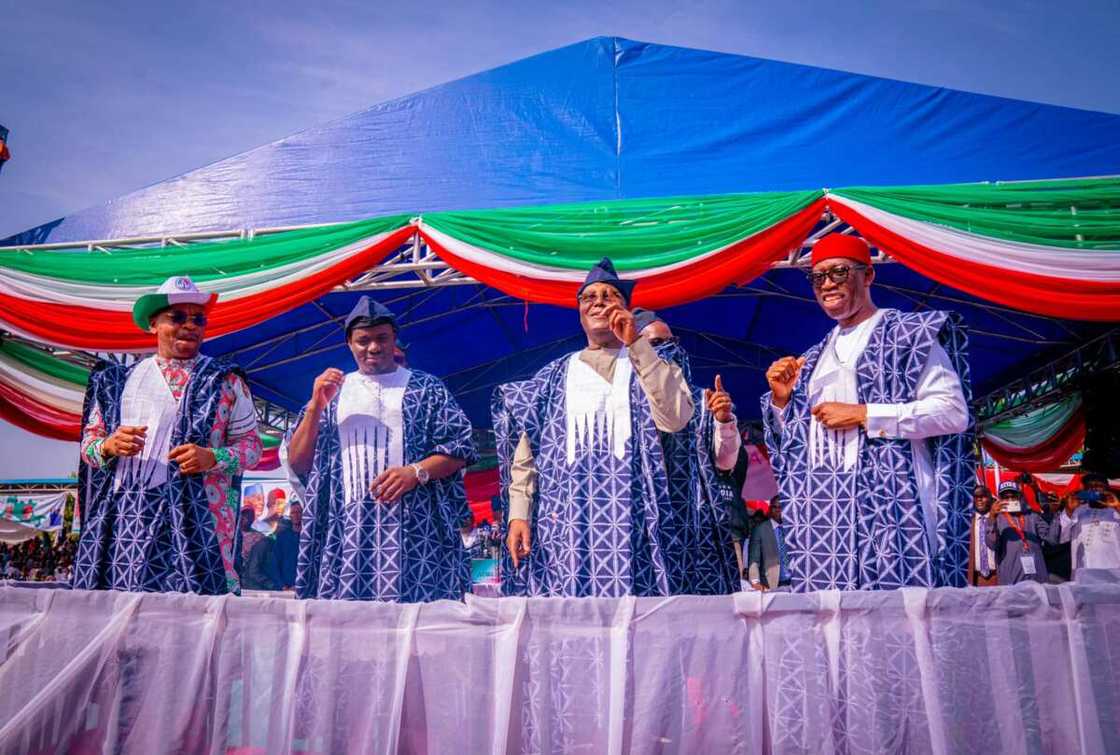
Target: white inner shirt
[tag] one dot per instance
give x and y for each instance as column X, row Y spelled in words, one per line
column 147, row 401
column 834, row 379
column 370, row 428
column 1095, row 537
column 597, row 409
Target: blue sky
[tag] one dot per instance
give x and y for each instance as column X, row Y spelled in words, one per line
column 106, row 97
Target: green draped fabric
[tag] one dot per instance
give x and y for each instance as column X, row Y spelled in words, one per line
column 43, row 362
column 204, row 261
column 1075, row 214
column 636, row 234
column 1035, row 427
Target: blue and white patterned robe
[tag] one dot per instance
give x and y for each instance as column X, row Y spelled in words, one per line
column 603, row 527
column 865, row 529
column 409, row 551
column 702, row 495
column 161, row 539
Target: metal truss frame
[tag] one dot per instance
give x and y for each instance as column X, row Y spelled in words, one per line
column 1051, row 381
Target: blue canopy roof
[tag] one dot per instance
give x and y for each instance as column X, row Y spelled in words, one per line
column 613, row 118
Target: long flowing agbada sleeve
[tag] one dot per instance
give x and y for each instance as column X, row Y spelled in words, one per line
column 663, row 382
column 523, row 480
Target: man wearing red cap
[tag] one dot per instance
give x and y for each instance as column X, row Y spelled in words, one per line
column 868, row 438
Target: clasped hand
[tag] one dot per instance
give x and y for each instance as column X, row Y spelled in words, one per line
column 129, row 440
column 837, row 416
column 394, row 482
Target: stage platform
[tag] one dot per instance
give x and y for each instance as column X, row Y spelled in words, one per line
column 1025, row 669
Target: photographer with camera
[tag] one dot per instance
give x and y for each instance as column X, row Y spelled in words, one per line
column 1017, row 535
column 1091, row 524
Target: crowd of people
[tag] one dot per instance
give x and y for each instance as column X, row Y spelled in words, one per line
column 44, row 558
column 620, row 473
column 1024, row 534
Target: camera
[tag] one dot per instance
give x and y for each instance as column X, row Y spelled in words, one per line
column 1012, row 505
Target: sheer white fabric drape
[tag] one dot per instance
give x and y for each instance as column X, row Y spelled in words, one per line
column 1020, row 669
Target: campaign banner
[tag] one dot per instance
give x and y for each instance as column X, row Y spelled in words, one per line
column 41, row 511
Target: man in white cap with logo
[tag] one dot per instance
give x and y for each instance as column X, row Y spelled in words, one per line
column 164, row 443
column 1017, row 535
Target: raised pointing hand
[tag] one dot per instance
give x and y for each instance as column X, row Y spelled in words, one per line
column 719, row 402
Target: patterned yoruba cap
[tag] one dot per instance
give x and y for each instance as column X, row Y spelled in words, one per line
column 604, row 272
column 643, row 318
column 367, row 313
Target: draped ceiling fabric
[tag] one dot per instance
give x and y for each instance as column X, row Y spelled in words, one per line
column 43, row 394
column 1053, row 245
column 602, row 121
column 1028, row 668
column 1041, row 440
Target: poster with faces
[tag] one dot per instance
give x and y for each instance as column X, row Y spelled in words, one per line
column 269, row 499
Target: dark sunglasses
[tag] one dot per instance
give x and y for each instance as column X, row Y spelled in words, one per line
column 179, row 317
column 655, row 342
column 837, row 275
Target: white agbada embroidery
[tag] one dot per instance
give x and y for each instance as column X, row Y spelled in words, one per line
column 147, row 401
column 370, row 428
column 835, row 379
column 596, row 409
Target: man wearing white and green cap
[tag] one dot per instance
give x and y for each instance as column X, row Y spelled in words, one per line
column 164, row 443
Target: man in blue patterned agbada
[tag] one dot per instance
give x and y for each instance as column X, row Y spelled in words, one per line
column 580, row 449
column 379, row 453
column 869, row 436
column 165, row 441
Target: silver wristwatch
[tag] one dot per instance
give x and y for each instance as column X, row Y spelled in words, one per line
column 422, row 475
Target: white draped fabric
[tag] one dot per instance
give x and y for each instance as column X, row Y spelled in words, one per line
column 1016, row 669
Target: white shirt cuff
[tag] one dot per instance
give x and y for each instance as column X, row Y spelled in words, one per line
column 882, row 421
column 727, row 444
column 779, row 416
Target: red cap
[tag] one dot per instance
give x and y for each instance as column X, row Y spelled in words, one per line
column 839, row 245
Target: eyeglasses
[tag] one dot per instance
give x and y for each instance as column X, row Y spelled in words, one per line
column 179, row 317
column 837, row 274
column 655, row 342
column 607, row 297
